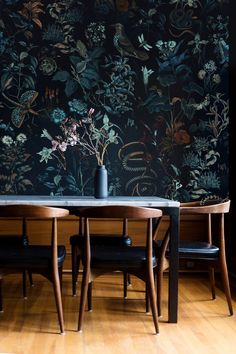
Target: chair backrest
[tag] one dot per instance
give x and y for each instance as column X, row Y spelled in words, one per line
column 209, row 209
column 36, row 211
column 122, row 212
column 32, row 211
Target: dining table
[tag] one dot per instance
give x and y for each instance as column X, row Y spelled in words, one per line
column 169, row 207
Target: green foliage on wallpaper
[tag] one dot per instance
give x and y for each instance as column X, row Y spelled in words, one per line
column 154, row 73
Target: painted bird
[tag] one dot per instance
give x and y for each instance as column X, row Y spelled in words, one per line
column 124, row 45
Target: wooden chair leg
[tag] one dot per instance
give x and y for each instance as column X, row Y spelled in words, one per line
column 152, row 297
column 90, row 288
column 125, row 281
column 57, row 292
column 75, row 263
column 60, row 277
column 129, row 280
column 147, row 303
column 159, row 287
column 30, row 278
column 84, row 292
column 211, row 272
column 1, row 302
column 225, row 280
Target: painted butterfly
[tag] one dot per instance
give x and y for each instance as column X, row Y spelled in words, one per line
column 24, row 107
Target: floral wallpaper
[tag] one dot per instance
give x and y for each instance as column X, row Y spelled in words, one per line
column 139, row 85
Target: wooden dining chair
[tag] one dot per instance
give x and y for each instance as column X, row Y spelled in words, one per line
column 76, row 242
column 136, row 260
column 209, row 252
column 46, row 260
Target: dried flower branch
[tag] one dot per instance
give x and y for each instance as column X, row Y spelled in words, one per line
column 85, row 134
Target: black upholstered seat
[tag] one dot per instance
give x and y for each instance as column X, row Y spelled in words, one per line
column 197, row 250
column 10, row 240
column 121, row 257
column 38, row 257
column 100, row 239
column 77, row 246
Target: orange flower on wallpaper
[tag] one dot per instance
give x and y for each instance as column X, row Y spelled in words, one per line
column 182, row 137
column 32, row 10
column 122, row 5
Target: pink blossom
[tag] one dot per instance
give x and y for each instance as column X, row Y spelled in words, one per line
column 54, row 145
column 63, row 146
column 73, row 127
column 91, row 111
column 73, row 140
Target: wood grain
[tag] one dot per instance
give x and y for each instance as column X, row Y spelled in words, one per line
column 114, row 326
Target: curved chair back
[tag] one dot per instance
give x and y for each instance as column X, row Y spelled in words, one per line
column 32, row 211
column 209, row 208
column 122, row 212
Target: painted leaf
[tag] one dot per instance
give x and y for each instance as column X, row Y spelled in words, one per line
column 61, row 76
column 71, row 87
column 17, row 116
column 81, row 66
column 28, row 97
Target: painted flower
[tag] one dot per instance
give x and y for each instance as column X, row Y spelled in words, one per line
column 78, row 106
column 48, row 66
column 45, row 154
column 159, row 44
column 62, row 146
column 216, row 78
column 201, row 74
column 210, row 66
column 54, row 145
column 122, row 5
column 182, row 137
column 171, row 45
column 146, row 73
column 21, row 138
column 57, row 115
column 95, row 33
column 7, row 140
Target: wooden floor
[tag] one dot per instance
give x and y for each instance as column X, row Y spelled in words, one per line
column 114, row 326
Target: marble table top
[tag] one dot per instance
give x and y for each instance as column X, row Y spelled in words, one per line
column 86, row 201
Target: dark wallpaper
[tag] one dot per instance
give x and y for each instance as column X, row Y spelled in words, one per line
column 141, row 84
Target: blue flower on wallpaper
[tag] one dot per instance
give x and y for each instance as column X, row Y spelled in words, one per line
column 57, row 115
column 156, row 70
column 78, row 106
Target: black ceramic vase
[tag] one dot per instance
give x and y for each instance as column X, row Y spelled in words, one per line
column 101, row 183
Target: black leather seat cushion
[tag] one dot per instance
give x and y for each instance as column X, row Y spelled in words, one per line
column 197, row 249
column 30, row 256
column 194, row 250
column 114, row 240
column 10, row 240
column 127, row 257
